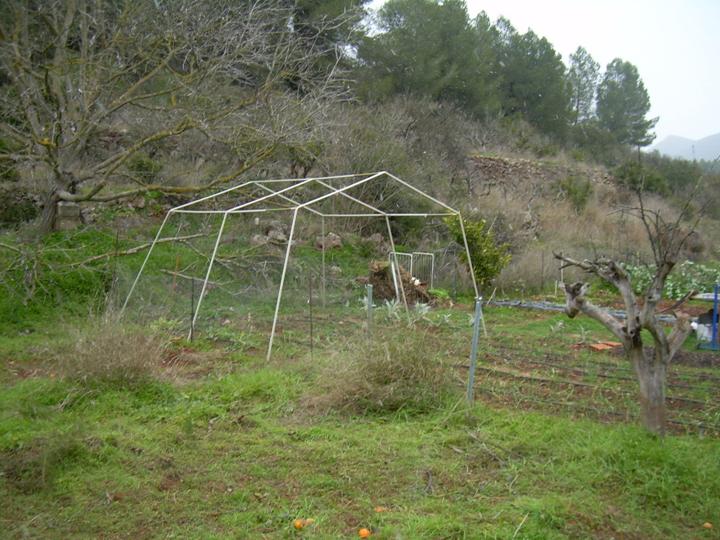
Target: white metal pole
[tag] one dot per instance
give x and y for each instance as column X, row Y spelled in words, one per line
column 350, row 197
column 467, row 252
column 268, row 196
column 288, row 199
column 420, row 192
column 341, row 190
column 322, row 233
column 142, row 266
column 473, row 351
column 397, row 266
column 282, row 284
column 211, row 196
column 207, row 274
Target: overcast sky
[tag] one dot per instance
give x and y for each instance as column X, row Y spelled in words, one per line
column 675, row 45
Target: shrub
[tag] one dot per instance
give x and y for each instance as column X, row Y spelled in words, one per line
column 109, row 353
column 487, row 256
column 144, row 167
column 16, row 205
column 634, row 176
column 396, row 370
column 577, row 190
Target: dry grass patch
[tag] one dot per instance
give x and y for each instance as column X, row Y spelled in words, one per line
column 110, row 353
column 398, row 370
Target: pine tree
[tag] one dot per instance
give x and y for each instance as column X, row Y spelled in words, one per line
column 623, row 103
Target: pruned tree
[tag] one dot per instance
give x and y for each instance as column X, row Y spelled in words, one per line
column 89, row 89
column 667, row 238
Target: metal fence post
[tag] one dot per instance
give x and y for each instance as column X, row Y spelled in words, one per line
column 474, row 350
column 369, row 300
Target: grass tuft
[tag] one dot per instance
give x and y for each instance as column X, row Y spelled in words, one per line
column 398, row 370
column 110, row 354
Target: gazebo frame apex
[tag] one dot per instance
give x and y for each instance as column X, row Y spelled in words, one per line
column 287, row 192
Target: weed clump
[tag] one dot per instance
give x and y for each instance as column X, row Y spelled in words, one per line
column 108, row 353
column 396, row 370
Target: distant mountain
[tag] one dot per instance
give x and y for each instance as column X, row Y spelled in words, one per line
column 706, row 148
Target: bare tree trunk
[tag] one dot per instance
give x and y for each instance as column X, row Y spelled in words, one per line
column 651, row 374
column 49, row 212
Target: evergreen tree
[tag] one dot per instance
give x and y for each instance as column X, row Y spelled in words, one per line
column 583, row 77
column 533, row 80
column 430, row 49
column 623, row 103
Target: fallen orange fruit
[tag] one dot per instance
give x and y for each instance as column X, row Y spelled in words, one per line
column 380, row 509
column 302, row 523
column 707, row 525
column 364, row 533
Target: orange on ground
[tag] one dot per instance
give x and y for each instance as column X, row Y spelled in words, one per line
column 364, row 533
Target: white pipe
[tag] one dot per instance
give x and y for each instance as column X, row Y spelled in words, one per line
column 340, row 190
column 212, row 196
column 322, row 232
column 282, row 284
column 286, row 198
column 207, row 274
column 142, row 266
column 270, row 196
column 397, row 265
column 421, row 192
column 336, row 177
column 366, row 205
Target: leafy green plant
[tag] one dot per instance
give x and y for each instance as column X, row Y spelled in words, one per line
column 144, row 167
column 686, row 277
column 634, row 176
column 487, row 256
column 441, row 294
column 577, row 190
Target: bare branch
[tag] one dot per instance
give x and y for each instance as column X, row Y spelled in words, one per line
column 576, row 302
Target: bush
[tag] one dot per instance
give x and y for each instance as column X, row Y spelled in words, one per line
column 487, row 256
column 16, row 206
column 394, row 371
column 144, row 167
column 577, row 190
column 634, row 176
column 111, row 354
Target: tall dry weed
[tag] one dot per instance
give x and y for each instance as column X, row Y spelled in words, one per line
column 108, row 352
column 398, row 369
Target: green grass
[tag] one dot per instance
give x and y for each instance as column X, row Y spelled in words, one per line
column 236, row 453
column 228, row 446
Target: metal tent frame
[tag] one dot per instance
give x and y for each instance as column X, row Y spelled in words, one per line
column 294, row 205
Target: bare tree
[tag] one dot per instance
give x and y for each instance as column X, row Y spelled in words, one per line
column 667, row 239
column 89, row 87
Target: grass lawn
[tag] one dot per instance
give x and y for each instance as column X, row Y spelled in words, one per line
column 221, row 444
